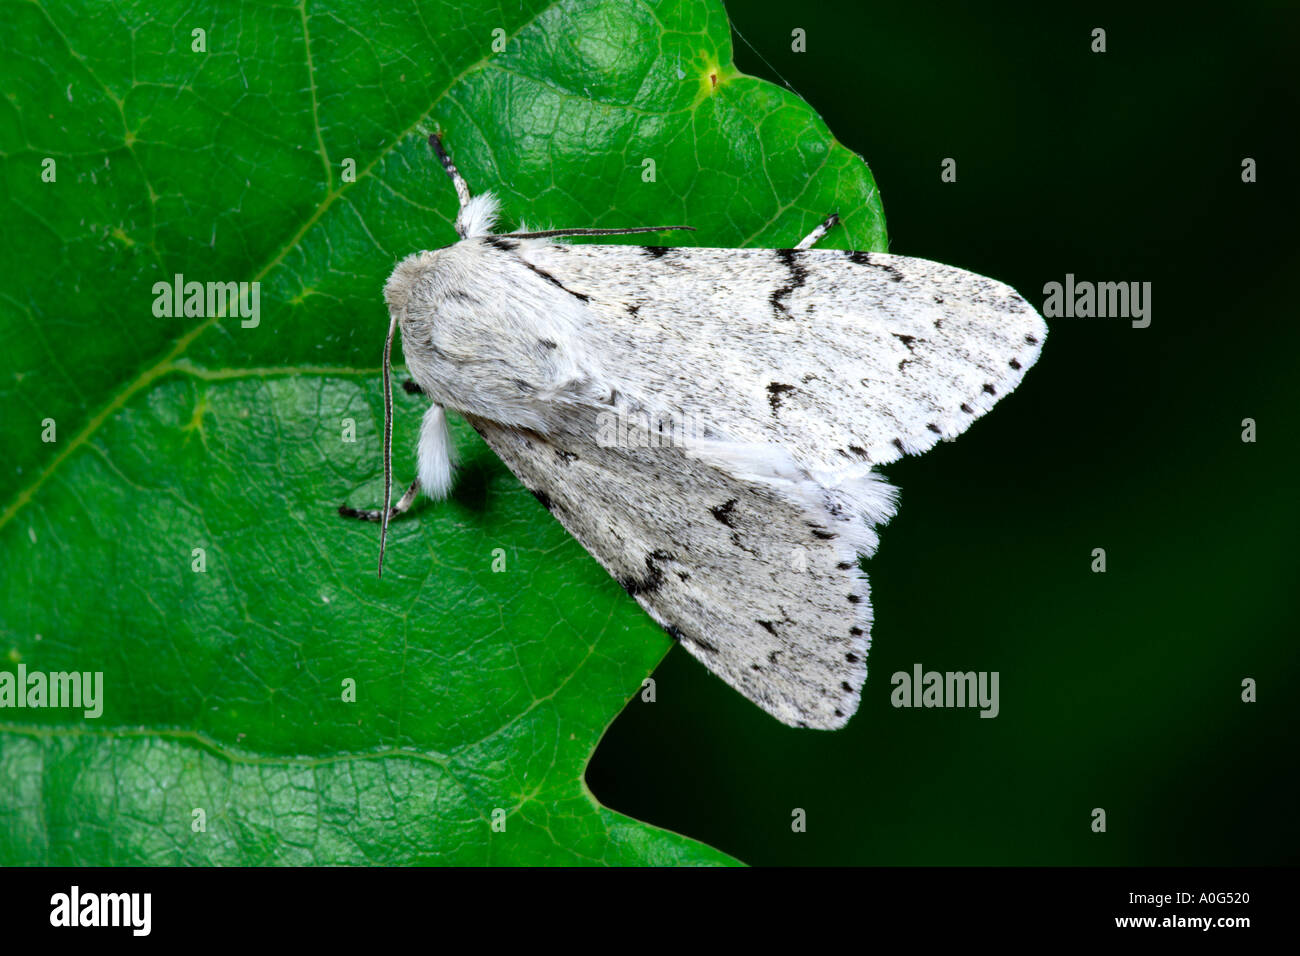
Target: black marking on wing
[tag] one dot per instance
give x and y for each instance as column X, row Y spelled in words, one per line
column 633, row 309
column 767, row 626
column 567, row 457
column 543, row 498
column 798, row 276
column 556, row 282
column 864, row 259
column 723, row 512
column 654, row 576
column 909, row 341
column 655, row 252
column 502, row 243
column 774, row 392
column 740, row 546
column 646, row 585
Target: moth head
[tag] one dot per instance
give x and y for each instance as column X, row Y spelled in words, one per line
column 405, row 284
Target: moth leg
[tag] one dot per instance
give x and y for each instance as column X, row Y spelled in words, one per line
column 457, row 180
column 377, row 514
column 816, row 235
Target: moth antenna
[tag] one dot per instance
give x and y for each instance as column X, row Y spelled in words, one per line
column 548, row 233
column 464, row 220
column 457, row 180
column 388, row 440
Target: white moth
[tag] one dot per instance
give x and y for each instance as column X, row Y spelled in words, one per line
column 800, row 370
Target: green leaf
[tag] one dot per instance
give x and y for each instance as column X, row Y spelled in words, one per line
column 477, row 689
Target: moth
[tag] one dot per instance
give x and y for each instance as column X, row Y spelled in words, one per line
column 782, row 378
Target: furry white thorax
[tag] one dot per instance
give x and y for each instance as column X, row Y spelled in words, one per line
column 484, row 335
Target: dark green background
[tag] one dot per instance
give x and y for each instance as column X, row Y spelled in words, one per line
column 1118, row 690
